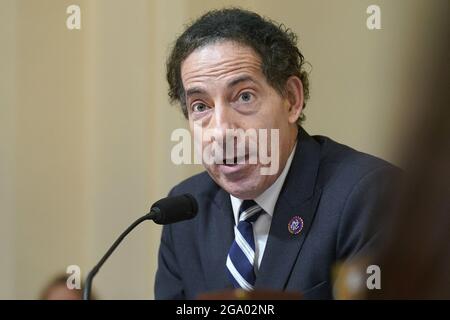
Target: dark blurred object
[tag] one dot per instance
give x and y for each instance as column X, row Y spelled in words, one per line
column 239, row 294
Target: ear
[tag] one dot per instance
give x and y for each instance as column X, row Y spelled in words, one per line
column 295, row 98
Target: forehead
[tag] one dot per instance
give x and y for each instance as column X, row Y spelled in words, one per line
column 220, row 61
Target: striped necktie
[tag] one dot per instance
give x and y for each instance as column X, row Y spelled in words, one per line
column 241, row 257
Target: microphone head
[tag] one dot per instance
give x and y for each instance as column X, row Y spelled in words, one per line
column 174, row 209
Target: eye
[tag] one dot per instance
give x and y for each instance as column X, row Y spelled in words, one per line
column 199, row 107
column 246, row 96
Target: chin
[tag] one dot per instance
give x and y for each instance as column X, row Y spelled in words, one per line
column 248, row 189
column 242, row 194
column 244, row 184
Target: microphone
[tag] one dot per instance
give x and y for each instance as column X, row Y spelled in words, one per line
column 165, row 211
column 174, row 209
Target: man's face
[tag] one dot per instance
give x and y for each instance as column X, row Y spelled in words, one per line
column 226, row 89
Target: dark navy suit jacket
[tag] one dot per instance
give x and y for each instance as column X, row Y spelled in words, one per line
column 335, row 189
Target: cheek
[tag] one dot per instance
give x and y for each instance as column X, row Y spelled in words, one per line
column 267, row 118
column 275, row 112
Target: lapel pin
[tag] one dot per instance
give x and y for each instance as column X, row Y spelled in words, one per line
column 295, row 225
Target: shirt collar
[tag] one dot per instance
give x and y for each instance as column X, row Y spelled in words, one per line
column 268, row 199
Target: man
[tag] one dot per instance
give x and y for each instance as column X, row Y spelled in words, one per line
column 232, row 69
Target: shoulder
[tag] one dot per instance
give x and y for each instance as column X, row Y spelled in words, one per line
column 342, row 167
column 357, row 189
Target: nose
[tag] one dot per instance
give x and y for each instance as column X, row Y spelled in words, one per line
column 223, row 118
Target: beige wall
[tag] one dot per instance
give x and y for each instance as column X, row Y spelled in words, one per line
column 7, row 149
column 85, row 123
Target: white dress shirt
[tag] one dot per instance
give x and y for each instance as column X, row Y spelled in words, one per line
column 267, row 201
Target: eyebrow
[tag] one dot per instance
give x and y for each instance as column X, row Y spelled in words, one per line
column 232, row 83
column 240, row 79
column 195, row 90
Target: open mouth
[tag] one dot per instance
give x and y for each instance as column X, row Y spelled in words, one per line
column 235, row 167
column 235, row 161
column 230, row 162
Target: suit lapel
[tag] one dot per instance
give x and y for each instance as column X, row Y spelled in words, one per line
column 298, row 197
column 219, row 230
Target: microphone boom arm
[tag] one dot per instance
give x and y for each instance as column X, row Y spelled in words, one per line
column 164, row 211
column 88, row 285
